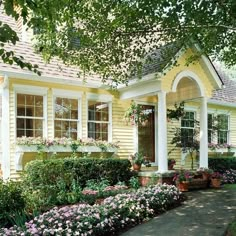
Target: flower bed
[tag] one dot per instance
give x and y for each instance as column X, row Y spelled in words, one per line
column 229, row 176
column 112, row 216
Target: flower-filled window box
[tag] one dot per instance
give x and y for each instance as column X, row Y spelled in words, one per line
column 219, row 150
column 60, row 145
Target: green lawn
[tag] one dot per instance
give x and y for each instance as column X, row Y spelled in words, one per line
column 230, row 186
column 231, row 231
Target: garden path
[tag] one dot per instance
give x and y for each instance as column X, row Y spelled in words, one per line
column 205, row 213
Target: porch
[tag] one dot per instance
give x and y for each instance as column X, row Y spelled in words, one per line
column 158, row 95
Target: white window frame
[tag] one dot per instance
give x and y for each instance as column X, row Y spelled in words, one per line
column 35, row 91
column 100, row 98
column 221, row 112
column 70, row 95
column 195, row 115
column 208, row 129
column 228, row 131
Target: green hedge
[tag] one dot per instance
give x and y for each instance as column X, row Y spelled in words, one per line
column 82, row 169
column 11, row 201
column 59, row 181
column 222, row 163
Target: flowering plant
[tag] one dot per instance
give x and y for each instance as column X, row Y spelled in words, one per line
column 205, row 170
column 135, row 114
column 216, row 175
column 115, row 214
column 137, row 158
column 183, row 176
column 214, row 146
column 229, row 176
column 64, row 142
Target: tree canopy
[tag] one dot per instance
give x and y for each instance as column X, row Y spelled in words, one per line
column 115, row 38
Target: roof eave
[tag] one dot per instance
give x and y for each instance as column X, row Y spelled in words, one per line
column 50, row 79
column 212, row 70
column 221, row 103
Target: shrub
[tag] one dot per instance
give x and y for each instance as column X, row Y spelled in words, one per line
column 222, row 164
column 11, row 201
column 229, row 176
column 114, row 215
column 134, row 182
column 59, row 181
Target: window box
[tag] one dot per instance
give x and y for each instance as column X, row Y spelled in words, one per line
column 22, row 149
column 221, row 154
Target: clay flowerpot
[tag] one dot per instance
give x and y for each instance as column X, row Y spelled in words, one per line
column 215, row 183
column 183, row 186
column 205, row 175
column 136, row 167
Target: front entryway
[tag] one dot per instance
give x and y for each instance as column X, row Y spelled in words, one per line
column 146, row 133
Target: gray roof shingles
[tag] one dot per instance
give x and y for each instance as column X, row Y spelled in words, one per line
column 228, row 93
column 54, row 69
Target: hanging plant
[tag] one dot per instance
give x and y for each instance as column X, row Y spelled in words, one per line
column 135, row 114
column 176, row 113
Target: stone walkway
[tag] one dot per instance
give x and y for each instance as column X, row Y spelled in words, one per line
column 205, row 213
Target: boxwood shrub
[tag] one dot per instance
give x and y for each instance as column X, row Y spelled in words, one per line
column 222, row 164
column 59, row 181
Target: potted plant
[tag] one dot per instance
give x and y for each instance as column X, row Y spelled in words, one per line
column 216, row 179
column 135, row 114
column 186, row 144
column 137, row 159
column 182, row 179
column 171, row 163
column 205, row 172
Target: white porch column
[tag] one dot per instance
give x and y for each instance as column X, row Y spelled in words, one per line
column 5, row 130
column 162, row 133
column 203, row 133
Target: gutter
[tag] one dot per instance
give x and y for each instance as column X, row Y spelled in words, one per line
column 34, row 77
column 221, row 103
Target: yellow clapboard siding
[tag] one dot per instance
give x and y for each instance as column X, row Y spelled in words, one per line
column 121, row 131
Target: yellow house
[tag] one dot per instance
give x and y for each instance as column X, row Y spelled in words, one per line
column 35, row 106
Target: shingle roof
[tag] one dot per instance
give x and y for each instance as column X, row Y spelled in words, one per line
column 228, row 92
column 54, row 69
column 159, row 59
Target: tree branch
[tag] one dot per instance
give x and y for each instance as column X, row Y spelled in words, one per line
column 161, row 31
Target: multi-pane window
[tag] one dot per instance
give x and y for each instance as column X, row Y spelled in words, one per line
column 66, row 118
column 210, row 128
column 223, row 124
column 187, row 129
column 218, row 128
column 29, row 115
column 98, row 120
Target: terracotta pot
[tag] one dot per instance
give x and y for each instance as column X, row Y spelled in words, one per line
column 183, row 186
column 215, row 183
column 136, row 167
column 205, row 175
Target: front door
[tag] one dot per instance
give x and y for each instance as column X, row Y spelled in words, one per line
column 146, row 133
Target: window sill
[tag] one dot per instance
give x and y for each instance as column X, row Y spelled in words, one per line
column 22, row 149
